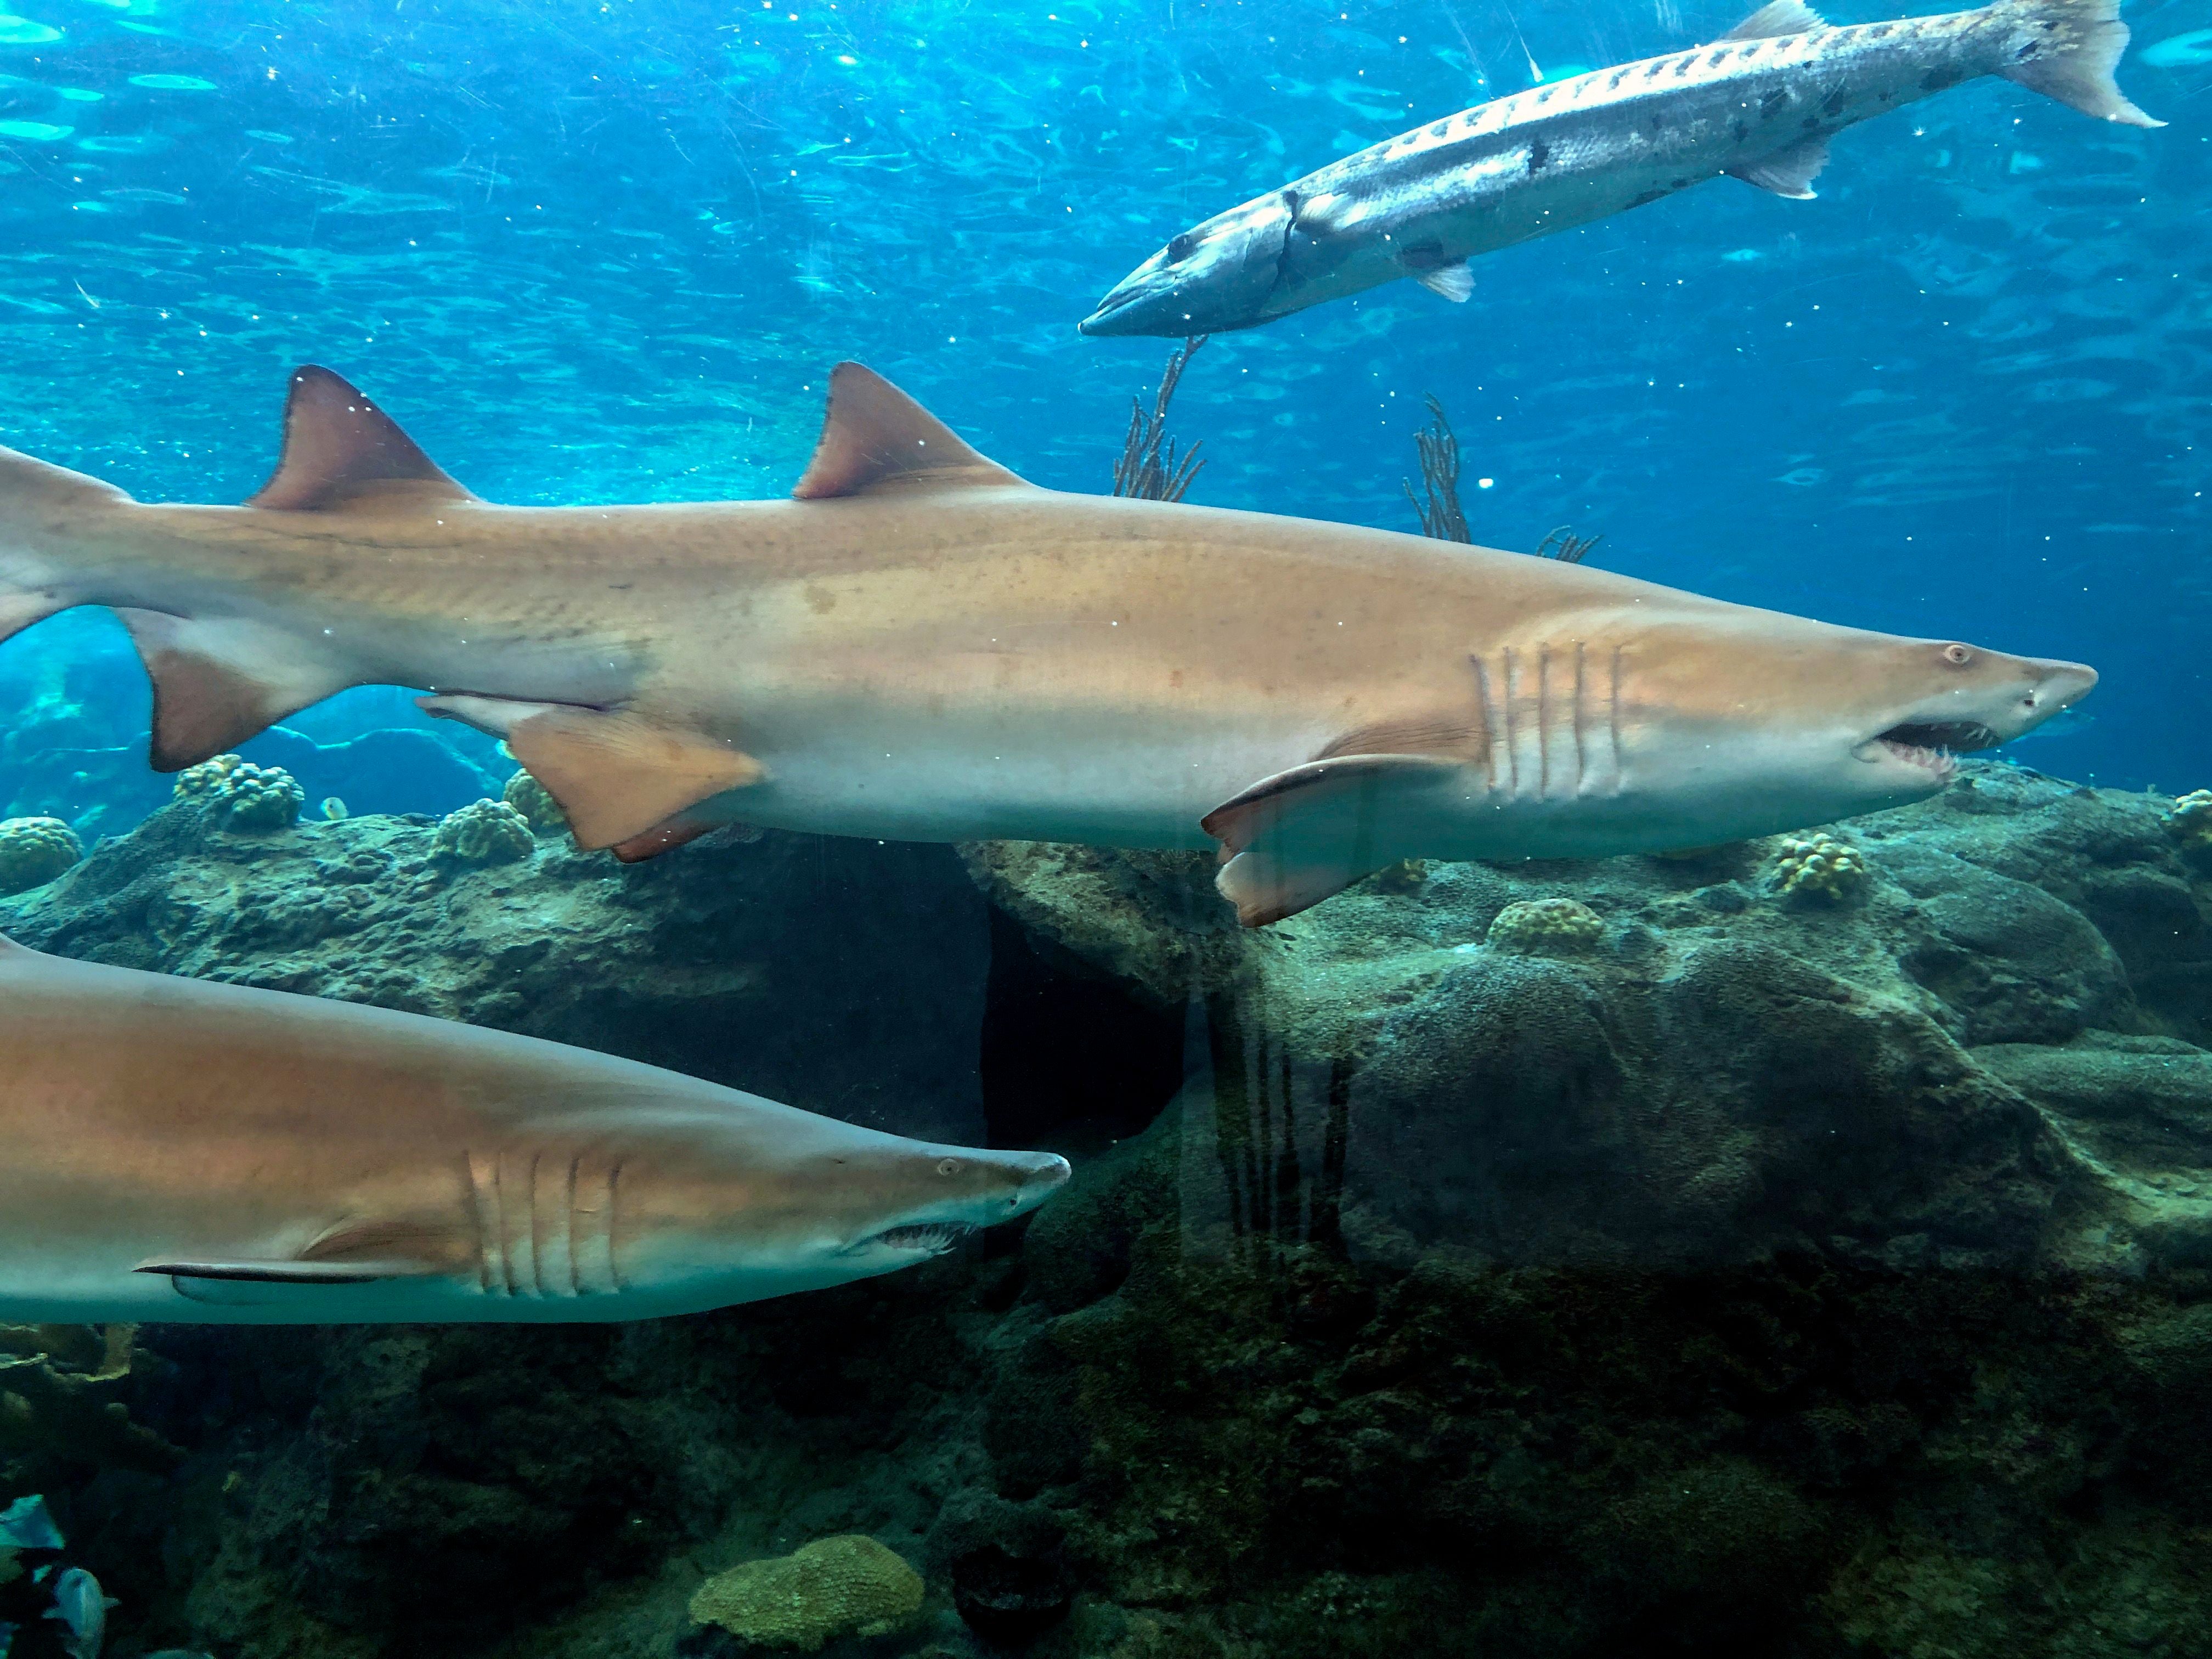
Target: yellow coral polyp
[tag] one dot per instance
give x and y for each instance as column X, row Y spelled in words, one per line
column 33, row 851
column 1820, row 868
column 848, row 1585
column 485, row 832
column 1546, row 924
column 2189, row 822
column 239, row 795
column 535, row 802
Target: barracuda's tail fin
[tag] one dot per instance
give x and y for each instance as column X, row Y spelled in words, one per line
column 2068, row 50
column 43, row 509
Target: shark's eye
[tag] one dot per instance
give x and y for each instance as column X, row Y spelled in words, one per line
column 948, row 1166
column 1957, row 655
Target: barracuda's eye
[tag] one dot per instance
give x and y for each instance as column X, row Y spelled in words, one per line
column 1957, row 655
column 948, row 1166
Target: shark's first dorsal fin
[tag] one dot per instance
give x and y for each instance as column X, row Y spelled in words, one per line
column 342, row 451
column 1778, row 17
column 875, row 439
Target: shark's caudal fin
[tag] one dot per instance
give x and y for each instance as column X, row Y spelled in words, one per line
column 219, row 681
column 44, row 509
column 2067, row 50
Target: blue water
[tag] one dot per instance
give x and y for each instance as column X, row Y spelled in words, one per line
column 595, row 252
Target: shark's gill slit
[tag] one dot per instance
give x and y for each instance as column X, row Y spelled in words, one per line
column 1493, row 739
column 536, row 1232
column 614, row 1219
column 1612, row 724
column 1581, row 781
column 1512, row 728
column 569, row 1206
column 1544, row 720
column 479, row 1219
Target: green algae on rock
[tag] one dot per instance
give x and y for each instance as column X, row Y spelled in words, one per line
column 35, row 851
column 848, row 1585
column 1829, row 1282
column 1535, row 927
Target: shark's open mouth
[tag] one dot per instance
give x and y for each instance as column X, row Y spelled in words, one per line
column 934, row 1236
column 1931, row 744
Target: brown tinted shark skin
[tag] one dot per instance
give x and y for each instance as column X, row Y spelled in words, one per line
column 190, row 1151
column 937, row 650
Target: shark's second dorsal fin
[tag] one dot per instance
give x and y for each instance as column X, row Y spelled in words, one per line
column 876, row 438
column 342, row 451
column 1778, row 17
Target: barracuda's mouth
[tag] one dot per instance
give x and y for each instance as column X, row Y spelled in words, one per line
column 928, row 1238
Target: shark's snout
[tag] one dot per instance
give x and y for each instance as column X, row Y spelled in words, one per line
column 1983, row 699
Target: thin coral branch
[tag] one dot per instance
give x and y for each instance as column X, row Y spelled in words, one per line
column 1564, row 545
column 1150, row 469
column 1439, row 503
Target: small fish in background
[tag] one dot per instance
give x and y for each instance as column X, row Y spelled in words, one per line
column 1760, row 104
column 26, row 1524
column 2067, row 723
column 82, row 1610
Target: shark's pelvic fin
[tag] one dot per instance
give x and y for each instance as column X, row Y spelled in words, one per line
column 341, row 451
column 1780, row 17
column 1787, row 172
column 219, row 682
column 877, row 438
column 615, row 777
column 1290, row 841
column 662, row 838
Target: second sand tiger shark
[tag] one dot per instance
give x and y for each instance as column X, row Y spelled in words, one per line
column 920, row 646
column 217, row 1154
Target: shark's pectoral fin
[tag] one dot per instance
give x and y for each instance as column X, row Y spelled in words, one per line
column 1787, row 172
column 615, row 777
column 259, row 1283
column 218, row 682
column 341, row 451
column 1291, row 840
column 875, row 439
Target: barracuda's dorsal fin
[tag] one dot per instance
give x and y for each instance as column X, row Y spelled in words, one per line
column 1779, row 17
column 876, row 438
column 342, row 451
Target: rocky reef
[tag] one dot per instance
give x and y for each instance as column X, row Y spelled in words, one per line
column 1800, row 1247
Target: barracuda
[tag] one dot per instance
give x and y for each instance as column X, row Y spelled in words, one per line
column 923, row 646
column 1761, row 105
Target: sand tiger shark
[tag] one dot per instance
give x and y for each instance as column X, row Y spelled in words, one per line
column 920, row 646
column 184, row 1150
column 1760, row 104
